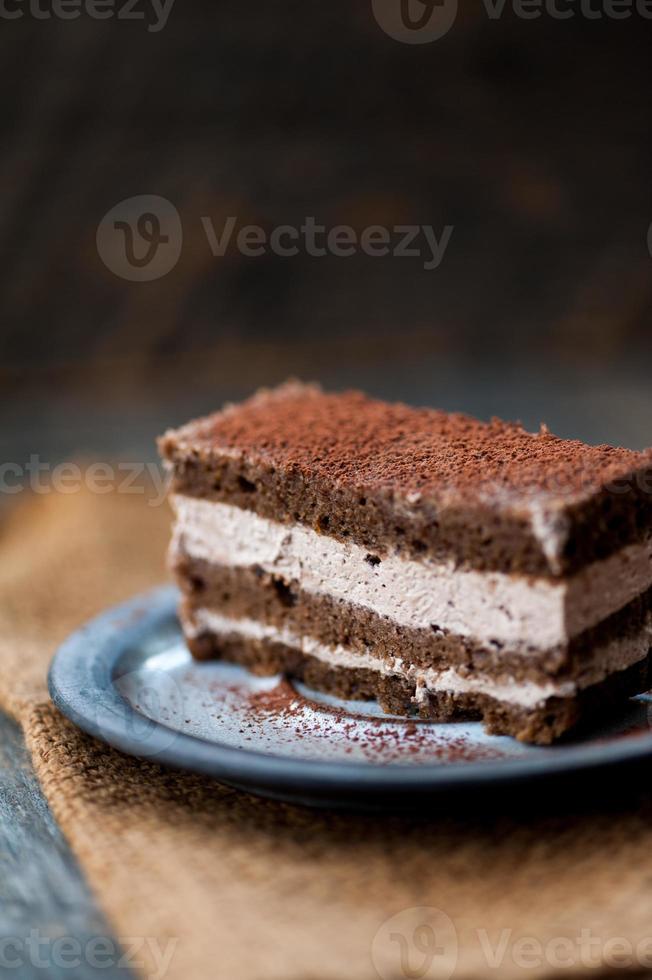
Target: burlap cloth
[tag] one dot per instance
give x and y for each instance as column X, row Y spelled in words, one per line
column 254, row 889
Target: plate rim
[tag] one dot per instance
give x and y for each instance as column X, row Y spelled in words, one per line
column 81, row 687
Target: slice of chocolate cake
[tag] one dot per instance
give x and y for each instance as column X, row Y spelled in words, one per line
column 441, row 564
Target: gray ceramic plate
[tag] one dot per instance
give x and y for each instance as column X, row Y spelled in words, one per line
column 127, row 679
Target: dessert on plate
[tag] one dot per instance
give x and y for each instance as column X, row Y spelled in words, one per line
column 443, row 565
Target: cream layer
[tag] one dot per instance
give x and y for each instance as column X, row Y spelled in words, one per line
column 616, row 655
column 528, row 614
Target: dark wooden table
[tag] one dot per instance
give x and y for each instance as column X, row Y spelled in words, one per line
column 48, row 916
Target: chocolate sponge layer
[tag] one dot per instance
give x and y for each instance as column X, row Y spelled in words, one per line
column 541, row 725
column 250, row 593
column 417, row 481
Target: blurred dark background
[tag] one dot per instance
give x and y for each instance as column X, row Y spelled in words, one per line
column 532, row 138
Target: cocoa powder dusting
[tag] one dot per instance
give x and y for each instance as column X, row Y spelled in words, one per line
column 358, row 441
column 376, row 739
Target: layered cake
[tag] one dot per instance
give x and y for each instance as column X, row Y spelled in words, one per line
column 445, row 566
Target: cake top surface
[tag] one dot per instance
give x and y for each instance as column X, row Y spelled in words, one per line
column 361, row 442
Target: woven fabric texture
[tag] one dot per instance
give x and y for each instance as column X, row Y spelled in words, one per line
column 246, row 889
